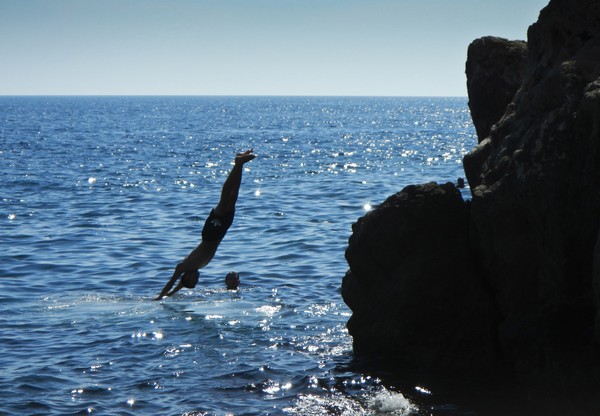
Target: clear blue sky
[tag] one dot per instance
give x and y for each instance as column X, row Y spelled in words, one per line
column 225, row 47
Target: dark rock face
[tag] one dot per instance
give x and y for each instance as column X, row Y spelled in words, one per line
column 536, row 206
column 531, row 245
column 412, row 285
column 495, row 69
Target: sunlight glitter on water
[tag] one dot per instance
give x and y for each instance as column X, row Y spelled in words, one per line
column 101, row 250
column 268, row 309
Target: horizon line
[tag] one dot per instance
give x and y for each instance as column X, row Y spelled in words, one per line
column 236, row 95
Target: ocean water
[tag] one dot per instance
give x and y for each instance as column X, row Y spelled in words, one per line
column 100, row 197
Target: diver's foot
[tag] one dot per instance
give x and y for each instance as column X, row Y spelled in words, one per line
column 244, row 157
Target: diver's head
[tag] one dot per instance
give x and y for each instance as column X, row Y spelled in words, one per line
column 190, row 279
column 232, row 280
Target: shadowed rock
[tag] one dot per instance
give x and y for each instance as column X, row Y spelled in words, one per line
column 495, row 69
column 525, row 254
column 413, row 287
column 536, row 207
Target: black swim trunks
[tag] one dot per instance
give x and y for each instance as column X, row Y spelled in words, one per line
column 216, row 226
column 190, row 279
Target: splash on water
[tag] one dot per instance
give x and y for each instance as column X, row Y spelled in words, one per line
column 388, row 403
column 382, row 402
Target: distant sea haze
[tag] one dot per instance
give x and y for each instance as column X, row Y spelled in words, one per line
column 102, row 196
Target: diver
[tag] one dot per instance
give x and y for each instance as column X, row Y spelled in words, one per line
column 215, row 228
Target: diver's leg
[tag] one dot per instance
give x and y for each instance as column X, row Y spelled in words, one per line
column 231, row 187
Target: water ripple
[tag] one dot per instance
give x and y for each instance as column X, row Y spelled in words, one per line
column 102, row 196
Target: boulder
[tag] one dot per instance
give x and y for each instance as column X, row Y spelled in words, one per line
column 413, row 288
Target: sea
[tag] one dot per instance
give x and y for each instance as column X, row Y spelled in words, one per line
column 100, row 198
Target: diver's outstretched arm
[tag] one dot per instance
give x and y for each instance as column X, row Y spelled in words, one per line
column 171, row 282
column 177, row 289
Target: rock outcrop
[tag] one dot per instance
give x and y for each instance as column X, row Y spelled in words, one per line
column 495, row 70
column 536, row 205
column 413, row 287
column 531, row 245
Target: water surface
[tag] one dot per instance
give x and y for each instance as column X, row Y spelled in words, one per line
column 100, row 197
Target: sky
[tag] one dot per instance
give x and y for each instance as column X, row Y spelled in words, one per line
column 248, row 47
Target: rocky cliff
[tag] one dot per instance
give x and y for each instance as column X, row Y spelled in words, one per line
column 515, row 274
column 495, row 69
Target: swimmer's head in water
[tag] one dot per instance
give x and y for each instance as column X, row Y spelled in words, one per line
column 232, row 280
column 190, row 279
